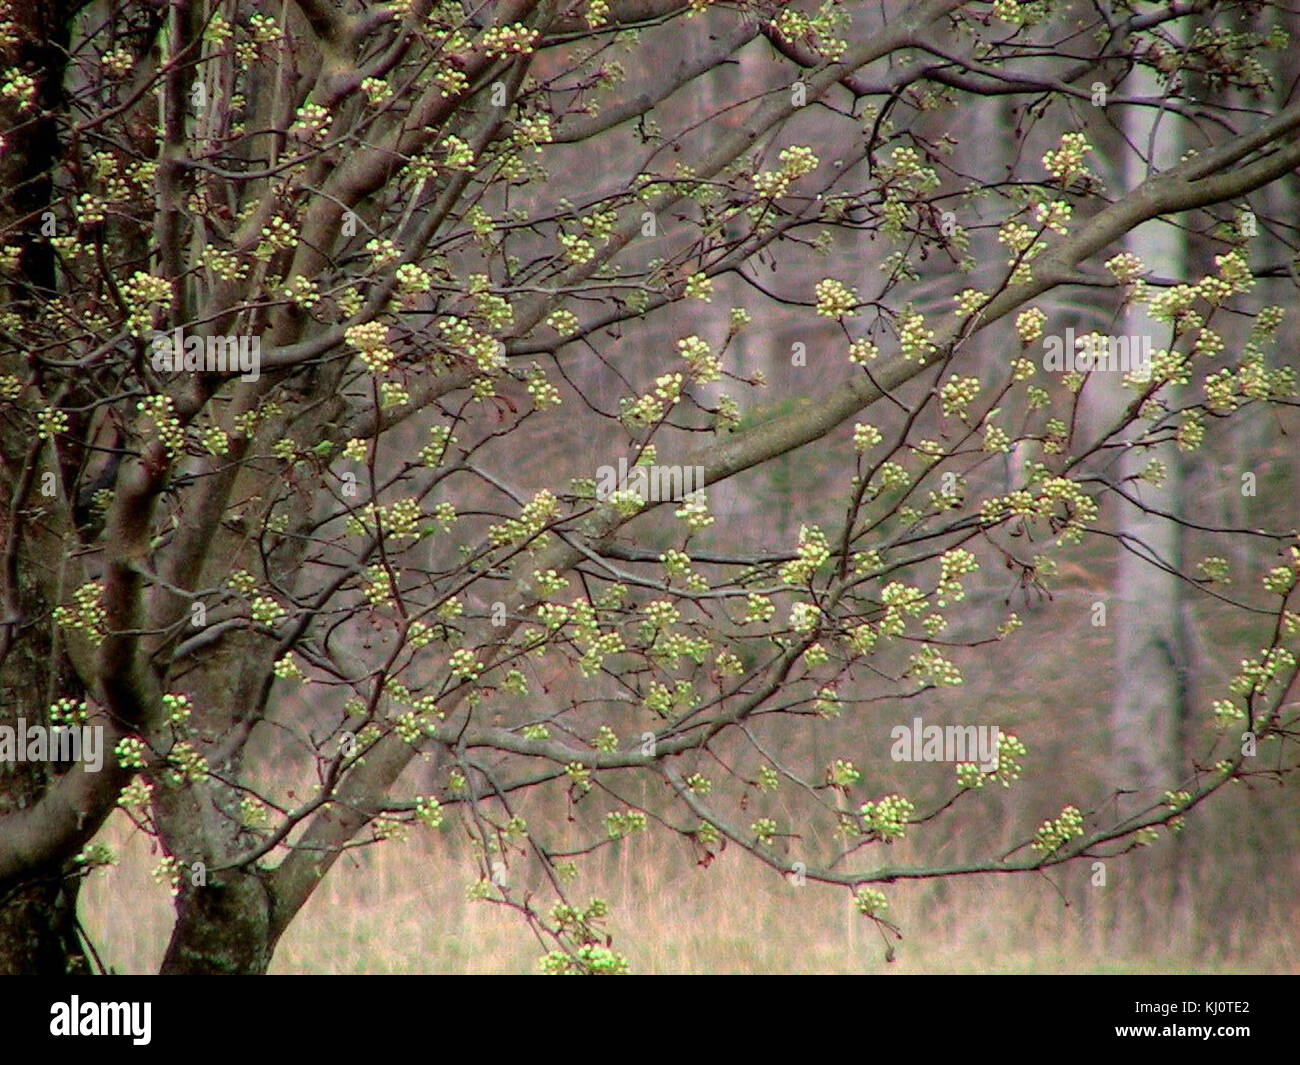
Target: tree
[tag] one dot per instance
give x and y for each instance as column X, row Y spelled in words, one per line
column 351, row 417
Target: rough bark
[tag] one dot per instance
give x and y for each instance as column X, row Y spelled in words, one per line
column 38, row 929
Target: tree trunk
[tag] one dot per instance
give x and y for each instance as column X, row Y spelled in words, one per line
column 222, row 928
column 1150, row 695
column 38, row 924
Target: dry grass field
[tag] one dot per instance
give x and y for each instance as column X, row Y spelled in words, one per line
column 401, row 908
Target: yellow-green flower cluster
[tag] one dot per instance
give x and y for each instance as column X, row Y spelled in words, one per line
column 698, row 784
column 969, row 301
column 591, row 958
column 177, row 707
column 377, row 90
column 459, row 155
column 1258, row 674
column 265, row 610
column 928, row 666
column 168, row 871
column 812, row 553
column 760, row 608
column 487, row 353
column 887, row 817
column 19, row 87
column 253, row 813
column 532, row 131
column 900, row 601
column 892, row 476
column 1126, row 267
column 1235, row 272
column 996, row 439
column 86, row 614
column 94, row 855
column 1052, row 835
column 577, row 248
column 660, row 614
column 396, row 520
column 650, row 407
column 1066, row 163
column 835, row 299
column 502, row 41
column 140, row 294
column 287, row 669
column 579, row 775
column 618, row 825
column 130, row 753
column 1214, row 568
column 841, row 774
column 377, row 587
column 730, row 665
column 915, row 340
column 1029, row 325
column 699, row 287
column 277, row 235
column 870, row 902
column 795, row 163
column 432, row 454
column 1081, row 509
column 957, row 394
column 536, row 514
column 412, row 727
column 463, row 665
column 50, row 422
column 954, row 565
column 563, row 322
column 703, row 366
column 370, row 341
column 185, row 765
column 1226, row 712
column 862, row 351
column 1054, row 215
column 804, row 617
column 694, row 511
column 137, row 795
column 865, row 437
column 68, row 712
column 605, row 739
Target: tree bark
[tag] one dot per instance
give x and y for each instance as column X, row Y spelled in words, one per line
column 1149, row 701
column 38, row 923
column 222, row 928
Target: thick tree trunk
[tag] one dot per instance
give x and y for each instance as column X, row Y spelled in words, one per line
column 38, row 927
column 1150, row 694
column 38, row 930
column 37, row 910
column 223, row 928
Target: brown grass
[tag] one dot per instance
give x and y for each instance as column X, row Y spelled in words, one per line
column 401, row 907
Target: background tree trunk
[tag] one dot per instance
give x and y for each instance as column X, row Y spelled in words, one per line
column 1151, row 667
